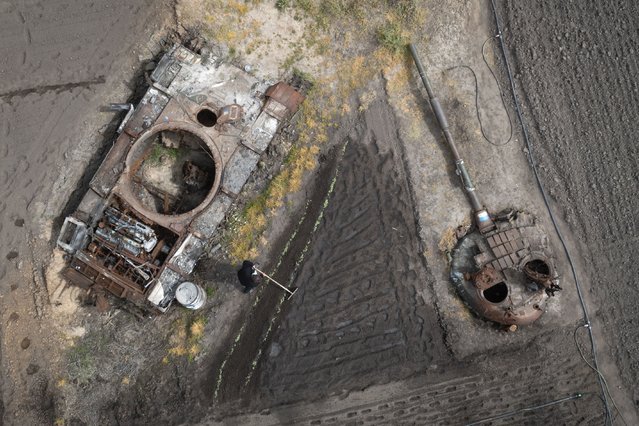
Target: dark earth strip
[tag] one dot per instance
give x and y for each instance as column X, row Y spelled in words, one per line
column 357, row 318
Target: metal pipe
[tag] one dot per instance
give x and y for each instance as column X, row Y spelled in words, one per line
column 483, row 219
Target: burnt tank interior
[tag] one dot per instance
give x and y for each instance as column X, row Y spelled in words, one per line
column 130, row 248
column 172, row 172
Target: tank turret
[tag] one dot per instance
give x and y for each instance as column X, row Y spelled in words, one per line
column 502, row 267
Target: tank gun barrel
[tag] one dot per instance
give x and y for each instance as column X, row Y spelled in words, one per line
column 482, row 218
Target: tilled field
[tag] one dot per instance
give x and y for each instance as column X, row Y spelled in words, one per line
column 357, row 318
column 447, row 393
column 576, row 63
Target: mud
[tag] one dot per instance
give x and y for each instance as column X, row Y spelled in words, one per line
column 357, row 318
column 575, row 65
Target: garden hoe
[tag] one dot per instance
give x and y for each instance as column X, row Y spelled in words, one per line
column 290, row 293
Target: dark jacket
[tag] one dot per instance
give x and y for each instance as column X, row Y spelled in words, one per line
column 245, row 275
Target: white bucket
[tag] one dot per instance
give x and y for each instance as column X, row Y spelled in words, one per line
column 190, row 295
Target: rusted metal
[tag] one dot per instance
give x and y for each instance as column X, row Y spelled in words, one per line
column 282, row 101
column 156, row 199
column 126, row 188
column 505, row 275
column 485, row 278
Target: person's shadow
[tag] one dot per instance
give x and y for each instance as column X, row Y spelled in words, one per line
column 219, row 272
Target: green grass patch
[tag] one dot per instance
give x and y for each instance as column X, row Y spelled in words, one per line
column 210, row 291
column 392, row 37
column 81, row 358
column 282, row 5
column 246, row 229
column 295, row 56
column 160, row 151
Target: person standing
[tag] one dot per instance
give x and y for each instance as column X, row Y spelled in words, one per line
column 247, row 276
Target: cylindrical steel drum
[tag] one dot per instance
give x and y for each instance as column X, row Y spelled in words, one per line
column 190, row 295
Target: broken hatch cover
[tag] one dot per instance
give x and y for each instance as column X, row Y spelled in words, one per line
column 287, row 97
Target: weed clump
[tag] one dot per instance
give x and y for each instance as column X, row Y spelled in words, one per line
column 392, row 37
column 82, row 365
column 160, row 152
column 282, row 5
column 186, row 337
column 246, row 228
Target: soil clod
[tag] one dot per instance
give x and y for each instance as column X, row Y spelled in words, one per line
column 12, row 255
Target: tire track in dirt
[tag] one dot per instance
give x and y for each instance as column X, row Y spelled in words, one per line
column 357, row 318
column 458, row 394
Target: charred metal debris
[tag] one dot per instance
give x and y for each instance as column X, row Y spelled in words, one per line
column 181, row 157
column 504, row 269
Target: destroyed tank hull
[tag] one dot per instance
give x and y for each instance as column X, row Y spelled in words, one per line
column 181, row 157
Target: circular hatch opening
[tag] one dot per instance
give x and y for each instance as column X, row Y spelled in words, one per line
column 206, row 117
column 497, row 293
column 172, row 172
column 538, row 266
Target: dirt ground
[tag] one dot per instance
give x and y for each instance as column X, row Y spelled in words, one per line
column 358, row 316
column 578, row 105
column 61, row 62
column 375, row 334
